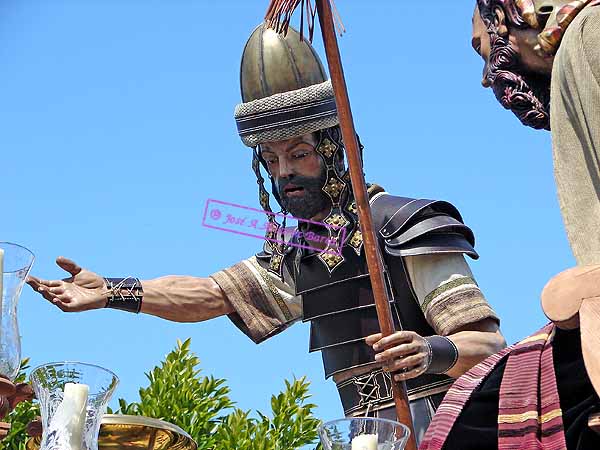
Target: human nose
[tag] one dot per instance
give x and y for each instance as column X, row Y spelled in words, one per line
column 285, row 168
column 485, row 79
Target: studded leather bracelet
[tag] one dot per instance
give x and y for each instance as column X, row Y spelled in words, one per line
column 125, row 294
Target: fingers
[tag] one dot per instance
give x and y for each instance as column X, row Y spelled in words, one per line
column 373, row 338
column 408, row 362
column 413, row 372
column 43, row 290
column 399, row 351
column 52, row 291
column 56, row 291
column 403, row 352
column 48, row 296
column 399, row 337
column 32, row 283
column 68, row 265
column 64, row 299
column 55, row 295
column 44, row 283
column 62, row 305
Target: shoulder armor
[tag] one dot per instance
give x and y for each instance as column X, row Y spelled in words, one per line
column 412, row 227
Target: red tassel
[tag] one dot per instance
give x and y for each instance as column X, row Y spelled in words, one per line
column 279, row 15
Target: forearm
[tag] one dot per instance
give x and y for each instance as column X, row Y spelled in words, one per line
column 184, row 299
column 409, row 355
column 473, row 347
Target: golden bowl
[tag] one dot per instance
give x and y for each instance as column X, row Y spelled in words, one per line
column 122, row 432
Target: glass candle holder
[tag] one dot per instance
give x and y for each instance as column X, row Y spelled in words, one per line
column 15, row 264
column 73, row 397
column 363, row 433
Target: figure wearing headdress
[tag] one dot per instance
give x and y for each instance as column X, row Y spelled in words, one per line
column 288, row 118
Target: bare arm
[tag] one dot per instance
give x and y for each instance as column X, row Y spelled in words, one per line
column 184, row 299
column 475, row 343
column 176, row 298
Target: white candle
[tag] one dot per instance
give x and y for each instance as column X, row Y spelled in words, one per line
column 365, row 442
column 69, row 418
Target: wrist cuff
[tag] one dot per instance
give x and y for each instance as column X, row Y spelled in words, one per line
column 443, row 354
column 125, row 294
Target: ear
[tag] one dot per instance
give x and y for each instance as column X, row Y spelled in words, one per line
column 499, row 20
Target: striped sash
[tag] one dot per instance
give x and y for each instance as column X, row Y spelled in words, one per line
column 523, row 417
column 455, row 400
column 526, row 421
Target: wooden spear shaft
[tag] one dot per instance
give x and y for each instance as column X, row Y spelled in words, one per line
column 372, row 251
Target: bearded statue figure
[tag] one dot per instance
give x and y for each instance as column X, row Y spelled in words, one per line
column 287, row 117
column 542, row 60
column 317, row 272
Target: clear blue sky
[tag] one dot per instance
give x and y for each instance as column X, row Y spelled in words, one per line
column 116, row 126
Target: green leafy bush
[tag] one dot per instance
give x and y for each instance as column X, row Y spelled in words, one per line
column 179, row 394
column 291, row 427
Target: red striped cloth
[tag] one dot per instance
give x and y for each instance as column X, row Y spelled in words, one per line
column 553, row 430
column 525, row 421
column 455, row 400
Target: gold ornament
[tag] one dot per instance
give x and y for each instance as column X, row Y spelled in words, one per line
column 327, row 148
column 337, row 220
column 352, row 208
column 334, row 188
column 331, row 259
column 275, row 263
column 357, row 239
column 264, row 198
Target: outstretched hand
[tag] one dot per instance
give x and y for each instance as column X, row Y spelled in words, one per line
column 404, row 353
column 82, row 291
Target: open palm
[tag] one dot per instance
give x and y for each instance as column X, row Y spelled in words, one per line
column 82, row 291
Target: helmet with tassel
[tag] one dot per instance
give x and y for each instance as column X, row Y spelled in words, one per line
column 286, row 94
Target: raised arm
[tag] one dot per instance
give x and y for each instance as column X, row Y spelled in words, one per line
column 176, row 298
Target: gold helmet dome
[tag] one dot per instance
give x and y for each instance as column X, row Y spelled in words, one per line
column 284, row 87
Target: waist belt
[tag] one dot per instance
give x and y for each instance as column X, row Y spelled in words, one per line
column 374, row 389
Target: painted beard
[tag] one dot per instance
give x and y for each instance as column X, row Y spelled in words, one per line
column 313, row 200
column 526, row 95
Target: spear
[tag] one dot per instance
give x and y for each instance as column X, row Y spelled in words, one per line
column 279, row 9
